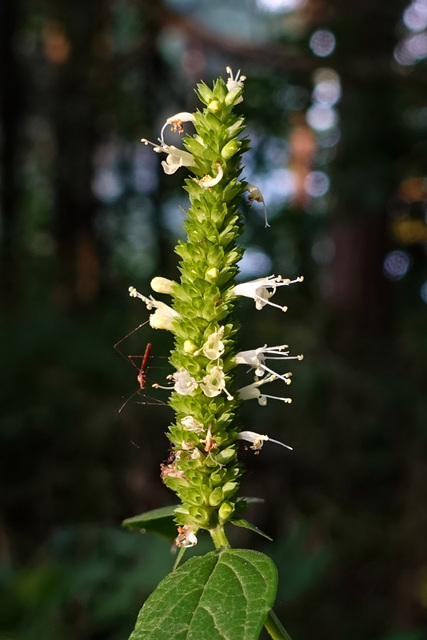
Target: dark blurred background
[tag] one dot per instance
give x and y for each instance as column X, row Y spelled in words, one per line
column 336, row 107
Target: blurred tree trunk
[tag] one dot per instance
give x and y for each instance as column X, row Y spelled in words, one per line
column 79, row 92
column 12, row 108
column 364, row 175
column 367, row 178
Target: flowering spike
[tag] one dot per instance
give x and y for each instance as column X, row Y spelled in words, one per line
column 203, row 468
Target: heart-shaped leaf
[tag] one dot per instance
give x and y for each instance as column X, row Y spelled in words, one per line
column 223, row 595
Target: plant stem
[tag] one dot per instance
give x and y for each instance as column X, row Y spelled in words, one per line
column 275, row 627
column 219, row 538
column 179, row 557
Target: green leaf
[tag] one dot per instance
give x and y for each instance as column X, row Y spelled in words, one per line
column 247, row 500
column 240, row 522
column 220, row 596
column 159, row 521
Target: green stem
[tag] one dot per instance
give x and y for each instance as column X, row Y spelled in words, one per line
column 179, row 557
column 275, row 628
column 219, row 538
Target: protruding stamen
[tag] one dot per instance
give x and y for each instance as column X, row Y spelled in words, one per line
column 258, row 440
column 255, row 358
column 251, row 391
column 258, row 290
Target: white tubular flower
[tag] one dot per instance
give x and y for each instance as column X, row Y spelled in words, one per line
column 175, row 159
column 252, row 391
column 162, row 285
column 258, row 440
column 163, row 316
column 258, row 290
column 161, row 320
column 175, row 123
column 255, row 358
column 191, row 424
column 214, row 346
column 209, row 442
column 214, row 383
column 208, row 181
column 196, row 454
column 256, row 195
column 187, row 446
column 184, row 382
column 234, row 84
column 186, row 537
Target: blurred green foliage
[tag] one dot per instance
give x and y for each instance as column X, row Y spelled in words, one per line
column 86, row 212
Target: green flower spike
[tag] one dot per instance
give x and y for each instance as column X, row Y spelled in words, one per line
column 203, row 468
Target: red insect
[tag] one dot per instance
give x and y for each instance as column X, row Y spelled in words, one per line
column 142, row 369
column 142, row 375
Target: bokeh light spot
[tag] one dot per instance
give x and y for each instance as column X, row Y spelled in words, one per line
column 396, row 264
column 279, row 5
column 322, row 43
column 321, row 117
column 415, row 16
column 329, row 139
column 423, row 292
column 327, row 89
column 416, row 46
column 323, row 250
column 317, row 184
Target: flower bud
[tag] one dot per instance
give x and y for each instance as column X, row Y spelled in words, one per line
column 230, row 488
column 200, row 515
column 216, row 497
column 214, row 106
column 212, row 273
column 224, row 457
column 162, row 285
column 225, row 512
column 189, row 347
column 230, row 149
column 160, row 321
column 205, row 93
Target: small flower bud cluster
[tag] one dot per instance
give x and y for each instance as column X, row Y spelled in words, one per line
column 203, row 468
